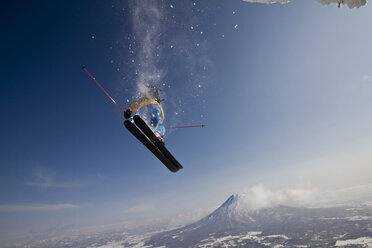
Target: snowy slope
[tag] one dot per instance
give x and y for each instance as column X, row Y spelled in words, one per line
column 235, row 224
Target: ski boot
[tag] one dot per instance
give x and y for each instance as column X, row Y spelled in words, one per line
column 158, row 135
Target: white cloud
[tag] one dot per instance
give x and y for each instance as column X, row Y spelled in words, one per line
column 258, row 197
column 45, row 179
column 140, row 208
column 367, row 78
column 35, row 207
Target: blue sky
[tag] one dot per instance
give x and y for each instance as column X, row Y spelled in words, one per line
column 285, row 92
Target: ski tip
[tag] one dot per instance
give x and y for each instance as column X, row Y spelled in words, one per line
column 175, row 168
column 82, row 67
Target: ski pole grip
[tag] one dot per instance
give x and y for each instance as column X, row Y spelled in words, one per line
column 127, row 114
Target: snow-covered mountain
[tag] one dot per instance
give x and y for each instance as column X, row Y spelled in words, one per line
column 239, row 222
column 235, row 224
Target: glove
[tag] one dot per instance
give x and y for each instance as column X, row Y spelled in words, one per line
column 127, row 114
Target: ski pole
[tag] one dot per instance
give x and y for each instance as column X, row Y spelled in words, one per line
column 90, row 75
column 184, row 127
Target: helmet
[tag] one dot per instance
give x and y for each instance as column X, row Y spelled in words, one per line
column 152, row 92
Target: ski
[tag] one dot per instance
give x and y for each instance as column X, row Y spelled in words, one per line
column 150, row 146
column 160, row 145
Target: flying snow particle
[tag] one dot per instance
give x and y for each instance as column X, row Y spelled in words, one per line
column 223, row 36
column 127, row 100
column 197, row 44
column 234, row 12
column 194, row 4
column 191, row 27
column 171, row 6
column 93, row 37
column 201, row 32
column 199, row 86
column 171, row 46
column 236, row 25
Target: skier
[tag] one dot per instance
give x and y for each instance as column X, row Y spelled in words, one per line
column 150, row 134
column 153, row 115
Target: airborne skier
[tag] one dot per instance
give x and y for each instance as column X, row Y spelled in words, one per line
column 150, row 134
column 149, row 128
column 153, row 112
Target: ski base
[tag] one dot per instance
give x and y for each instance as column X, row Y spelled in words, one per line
column 153, row 148
column 160, row 145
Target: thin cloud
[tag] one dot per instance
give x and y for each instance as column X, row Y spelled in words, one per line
column 140, row 208
column 46, row 185
column 189, row 217
column 354, row 188
column 35, row 207
column 367, row 78
column 357, row 193
column 46, row 179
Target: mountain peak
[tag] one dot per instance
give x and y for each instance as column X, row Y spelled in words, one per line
column 234, row 204
column 235, row 225
column 230, row 200
column 232, row 210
